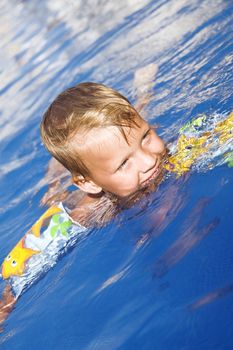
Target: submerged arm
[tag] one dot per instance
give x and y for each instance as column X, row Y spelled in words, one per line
column 6, row 303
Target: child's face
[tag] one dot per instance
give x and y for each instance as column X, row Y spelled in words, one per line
column 119, row 167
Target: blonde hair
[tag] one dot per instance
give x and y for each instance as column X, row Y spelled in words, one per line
column 80, row 109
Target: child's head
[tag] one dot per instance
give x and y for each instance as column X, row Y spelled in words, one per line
column 100, row 138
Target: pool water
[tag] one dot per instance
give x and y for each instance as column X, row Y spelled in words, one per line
column 138, row 282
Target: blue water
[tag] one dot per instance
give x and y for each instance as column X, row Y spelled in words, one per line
column 134, row 284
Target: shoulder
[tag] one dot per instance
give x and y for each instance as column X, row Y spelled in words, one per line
column 94, row 211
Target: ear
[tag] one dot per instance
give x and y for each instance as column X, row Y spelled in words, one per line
column 86, row 185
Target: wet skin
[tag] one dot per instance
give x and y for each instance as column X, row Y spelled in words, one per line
column 121, row 165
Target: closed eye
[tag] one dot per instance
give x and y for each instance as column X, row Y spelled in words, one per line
column 122, row 164
column 147, row 133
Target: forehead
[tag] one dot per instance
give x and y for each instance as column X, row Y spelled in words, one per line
column 102, row 143
column 86, row 140
column 106, row 146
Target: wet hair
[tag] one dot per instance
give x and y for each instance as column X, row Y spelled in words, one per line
column 78, row 110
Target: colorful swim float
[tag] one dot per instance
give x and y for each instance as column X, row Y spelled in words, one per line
column 40, row 248
column 203, row 143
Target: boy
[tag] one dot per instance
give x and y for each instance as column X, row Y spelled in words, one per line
column 112, row 154
column 105, row 144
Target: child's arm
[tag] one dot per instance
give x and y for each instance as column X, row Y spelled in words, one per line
column 35, row 253
column 6, row 303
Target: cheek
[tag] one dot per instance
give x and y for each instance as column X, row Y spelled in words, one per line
column 128, row 180
column 123, row 185
column 131, row 182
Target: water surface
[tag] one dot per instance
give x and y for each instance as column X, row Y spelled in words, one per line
column 136, row 283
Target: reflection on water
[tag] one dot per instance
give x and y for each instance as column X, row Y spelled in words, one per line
column 61, row 42
column 191, row 235
column 128, row 285
column 212, row 296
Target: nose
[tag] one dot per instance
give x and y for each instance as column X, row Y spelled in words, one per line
column 145, row 161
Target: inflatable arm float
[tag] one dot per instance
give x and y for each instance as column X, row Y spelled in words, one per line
column 39, row 248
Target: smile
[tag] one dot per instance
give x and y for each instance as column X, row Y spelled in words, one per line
column 152, row 176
